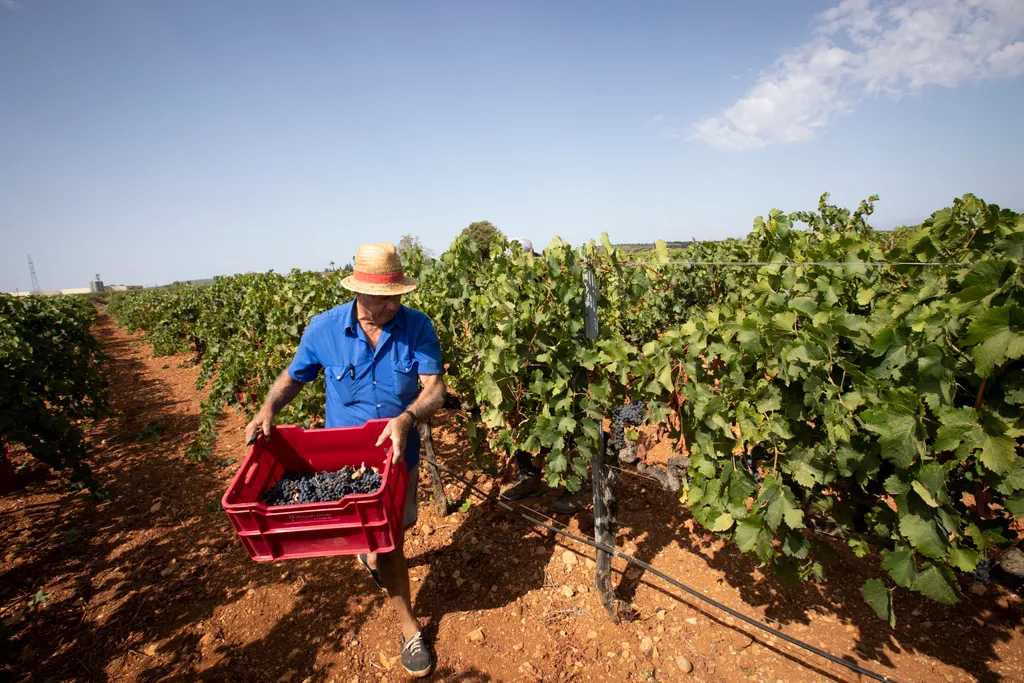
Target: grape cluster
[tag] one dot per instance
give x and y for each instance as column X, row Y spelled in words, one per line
column 629, row 414
column 294, row 487
column 982, row 572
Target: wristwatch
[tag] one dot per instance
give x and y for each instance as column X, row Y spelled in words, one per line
column 412, row 415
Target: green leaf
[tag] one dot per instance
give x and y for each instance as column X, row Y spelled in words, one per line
column 795, row 545
column 964, row 559
column 723, row 523
column 746, row 534
column 923, row 536
column 865, row 296
column 784, row 507
column 998, row 335
column 956, row 424
column 567, row 425
column 925, row 494
column 898, row 434
column 741, row 486
column 878, row 595
column 895, row 485
column 998, row 451
column 937, row 585
column 804, row 304
column 900, row 565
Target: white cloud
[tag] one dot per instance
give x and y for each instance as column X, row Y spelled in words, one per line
column 864, row 48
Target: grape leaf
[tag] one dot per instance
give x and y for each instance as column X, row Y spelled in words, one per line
column 723, row 522
column 998, row 335
column 878, row 595
column 923, row 535
column 964, row 559
column 998, row 451
column 901, row 567
column 746, row 534
column 925, row 494
column 898, row 435
column 937, row 585
column 956, row 424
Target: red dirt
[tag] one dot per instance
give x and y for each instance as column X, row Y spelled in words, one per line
column 146, row 593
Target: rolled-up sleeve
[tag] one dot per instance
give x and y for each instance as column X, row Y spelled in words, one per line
column 427, row 351
column 305, row 366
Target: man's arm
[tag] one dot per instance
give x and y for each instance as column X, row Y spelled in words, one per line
column 281, row 394
column 424, row 407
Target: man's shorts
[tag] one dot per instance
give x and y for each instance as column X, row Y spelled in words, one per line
column 411, row 502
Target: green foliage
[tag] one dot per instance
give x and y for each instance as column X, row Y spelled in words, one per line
column 879, row 400
column 482, row 233
column 886, row 396
column 243, row 331
column 50, row 379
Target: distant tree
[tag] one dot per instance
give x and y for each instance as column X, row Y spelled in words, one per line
column 482, row 232
column 411, row 241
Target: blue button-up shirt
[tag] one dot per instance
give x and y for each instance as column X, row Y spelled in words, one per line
column 364, row 383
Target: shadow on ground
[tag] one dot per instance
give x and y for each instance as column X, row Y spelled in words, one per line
column 147, row 592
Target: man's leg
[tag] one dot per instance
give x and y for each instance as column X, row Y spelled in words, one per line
column 529, row 483
column 394, row 574
column 393, row 568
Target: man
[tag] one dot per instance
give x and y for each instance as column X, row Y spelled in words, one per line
column 529, row 483
column 374, row 352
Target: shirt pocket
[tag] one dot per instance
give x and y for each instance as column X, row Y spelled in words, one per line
column 340, row 385
column 406, row 378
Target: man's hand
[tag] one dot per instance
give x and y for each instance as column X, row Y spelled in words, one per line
column 263, row 422
column 397, row 429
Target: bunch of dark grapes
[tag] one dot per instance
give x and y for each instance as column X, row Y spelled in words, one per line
column 630, row 414
column 323, row 487
column 982, row 572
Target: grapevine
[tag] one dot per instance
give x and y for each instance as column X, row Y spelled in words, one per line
column 883, row 401
column 50, row 380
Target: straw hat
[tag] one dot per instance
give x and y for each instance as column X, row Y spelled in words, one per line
column 378, row 271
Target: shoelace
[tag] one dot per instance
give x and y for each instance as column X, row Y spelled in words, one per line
column 415, row 645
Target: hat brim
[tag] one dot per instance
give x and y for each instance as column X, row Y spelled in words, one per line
column 380, row 289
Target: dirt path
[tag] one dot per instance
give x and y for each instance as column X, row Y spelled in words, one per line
column 153, row 585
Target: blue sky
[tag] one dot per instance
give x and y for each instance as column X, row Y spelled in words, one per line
column 158, row 141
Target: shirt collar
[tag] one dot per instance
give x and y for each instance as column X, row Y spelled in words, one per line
column 352, row 322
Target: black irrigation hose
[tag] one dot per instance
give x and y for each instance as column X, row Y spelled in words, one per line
column 648, row 568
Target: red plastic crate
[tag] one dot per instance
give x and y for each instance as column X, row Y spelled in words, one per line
column 358, row 523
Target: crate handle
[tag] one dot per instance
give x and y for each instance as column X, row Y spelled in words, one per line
column 251, row 473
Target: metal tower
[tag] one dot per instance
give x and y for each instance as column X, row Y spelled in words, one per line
column 32, row 271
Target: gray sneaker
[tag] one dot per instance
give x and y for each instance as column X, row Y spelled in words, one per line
column 569, row 503
column 528, row 486
column 416, row 657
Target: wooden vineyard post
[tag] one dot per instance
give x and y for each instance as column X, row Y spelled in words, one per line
column 436, row 485
column 605, row 526
column 602, row 476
